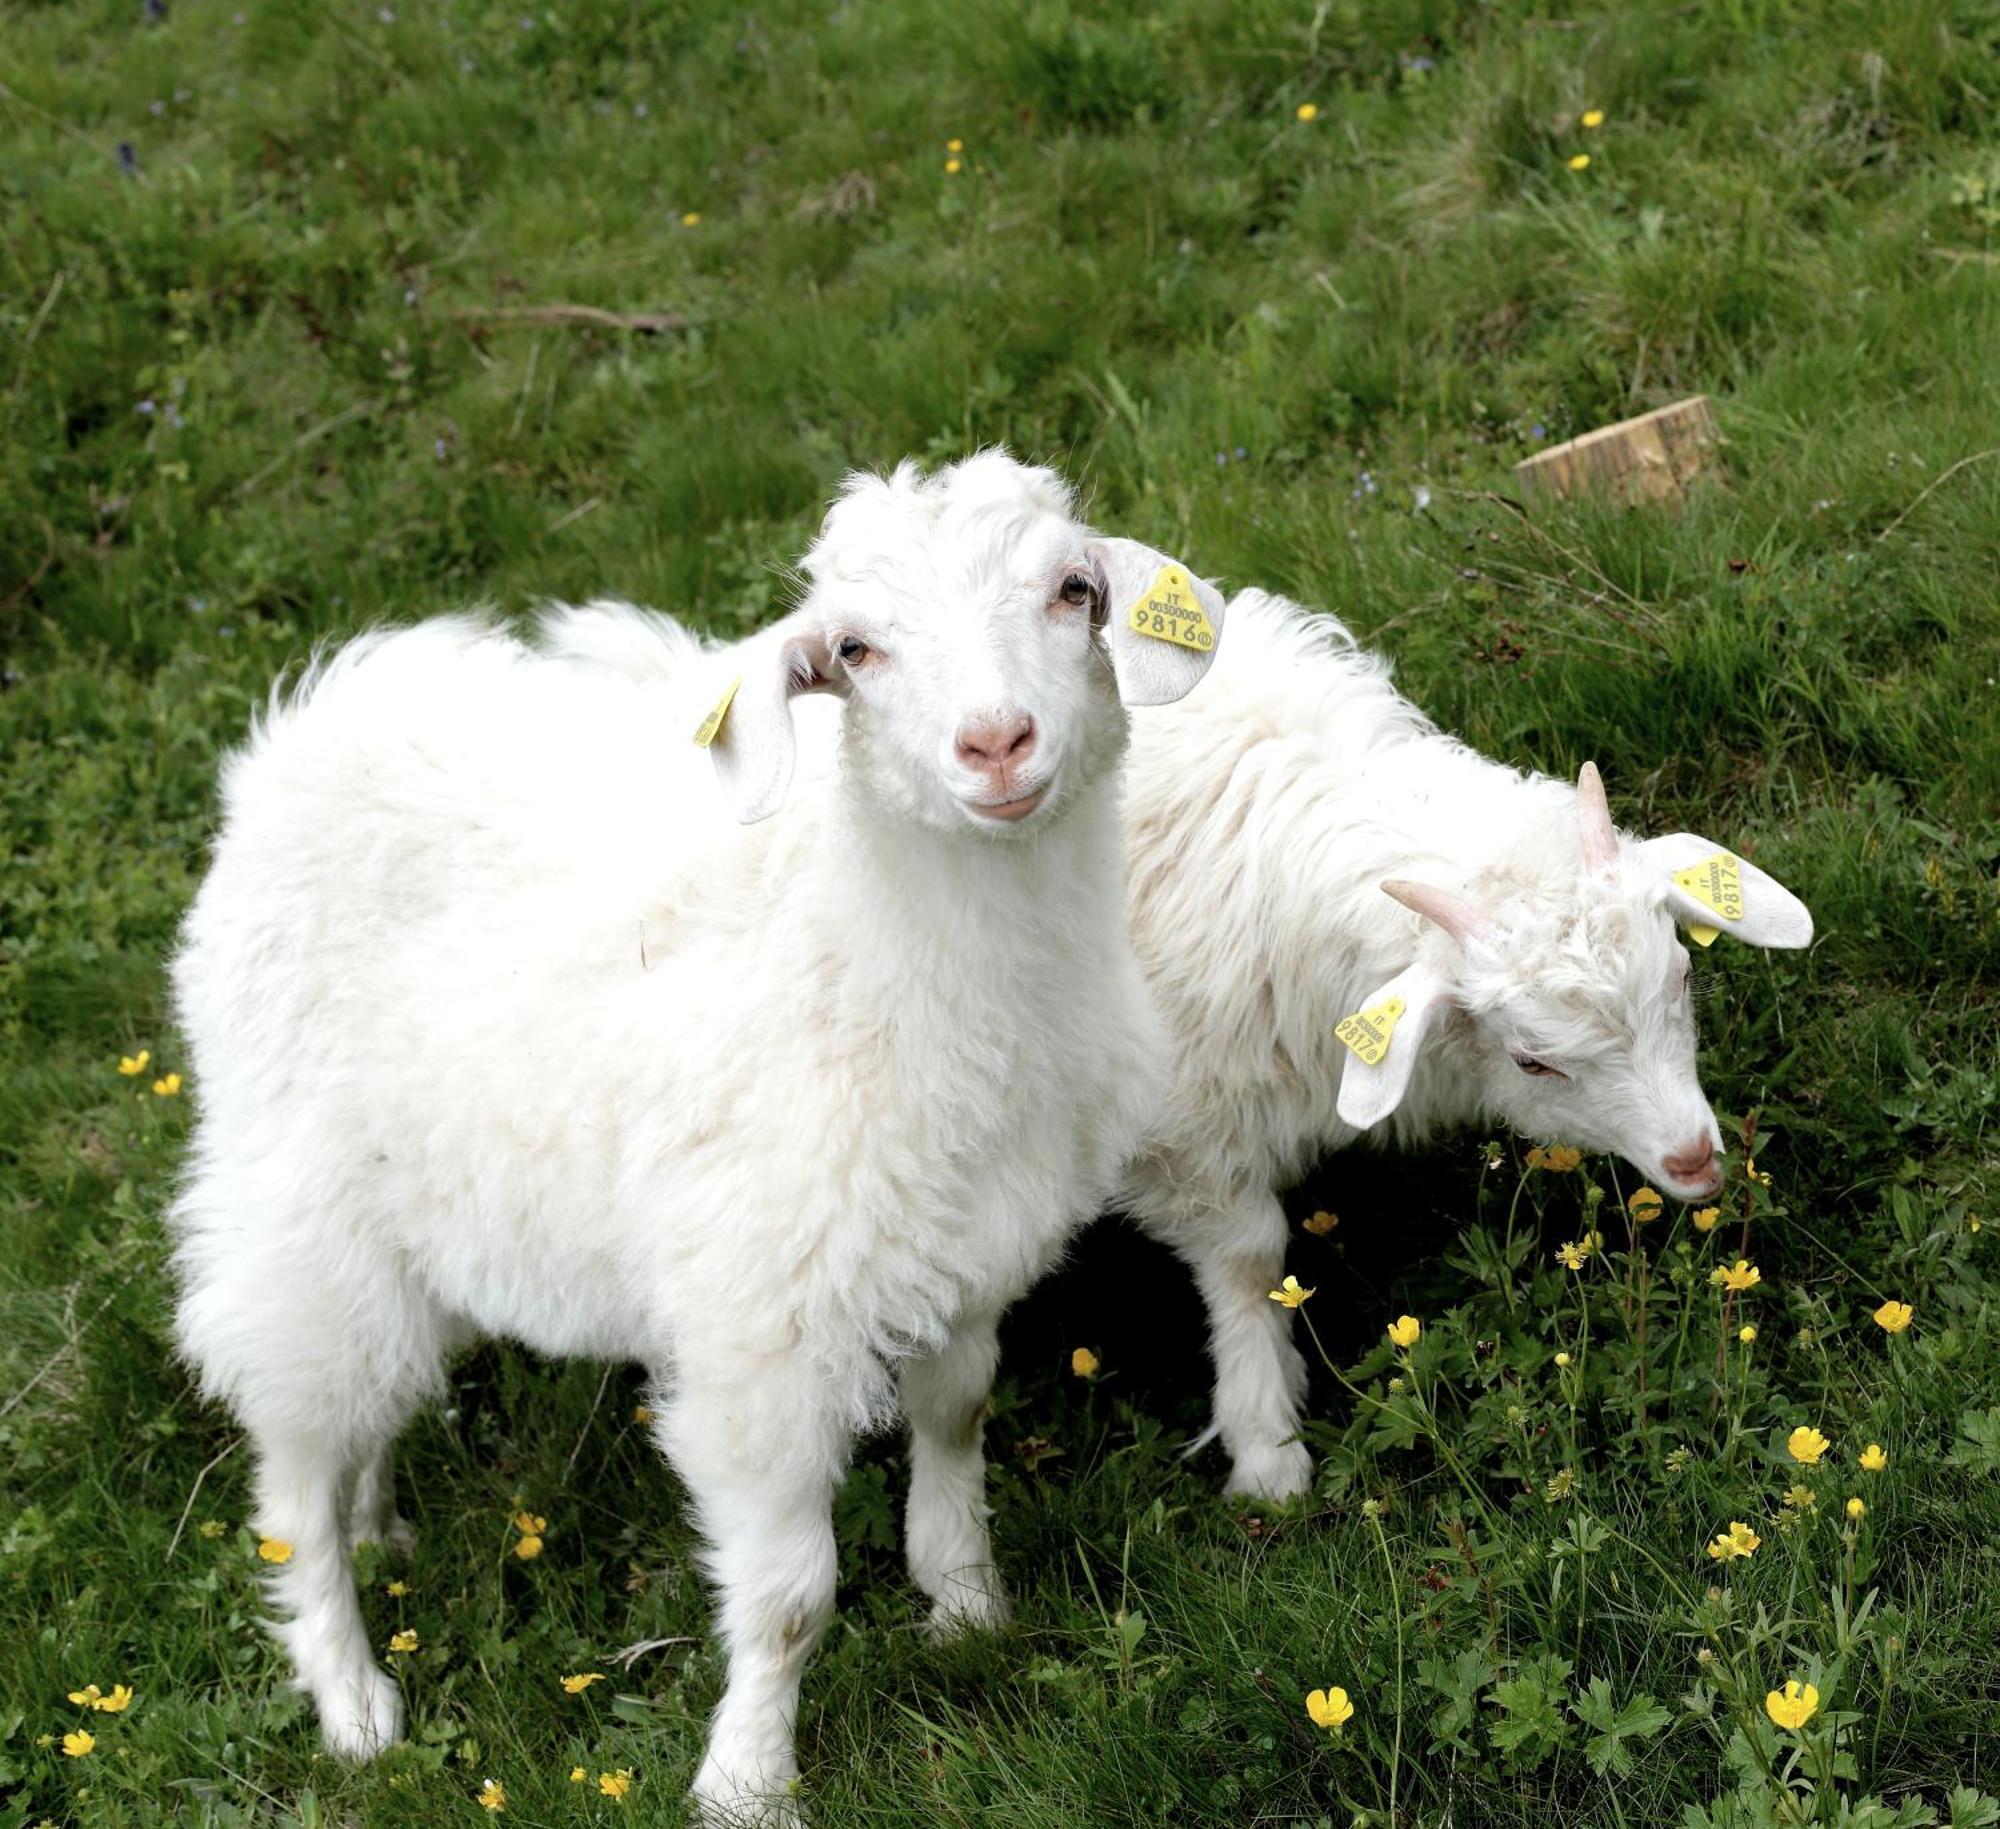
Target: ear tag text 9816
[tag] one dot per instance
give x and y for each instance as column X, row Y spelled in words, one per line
column 1369, row 1032
column 711, row 726
column 1717, row 883
column 1170, row 611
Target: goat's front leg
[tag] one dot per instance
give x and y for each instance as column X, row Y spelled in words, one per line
column 951, row 1556
column 1237, row 1253
column 760, row 1455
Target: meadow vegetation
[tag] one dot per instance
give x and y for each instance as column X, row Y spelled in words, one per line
column 287, row 347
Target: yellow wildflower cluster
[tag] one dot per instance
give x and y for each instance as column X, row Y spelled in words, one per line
column 529, row 1545
column 90, row 1696
column 1738, row 1541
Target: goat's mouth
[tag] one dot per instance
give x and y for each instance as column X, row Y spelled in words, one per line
column 1007, row 812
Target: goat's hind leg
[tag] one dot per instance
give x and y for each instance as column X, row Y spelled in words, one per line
column 321, row 1376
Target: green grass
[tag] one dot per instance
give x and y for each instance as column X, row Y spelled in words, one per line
column 1253, row 339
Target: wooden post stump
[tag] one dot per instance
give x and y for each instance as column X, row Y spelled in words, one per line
column 1651, row 458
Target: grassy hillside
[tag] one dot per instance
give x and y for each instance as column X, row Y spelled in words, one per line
column 315, row 316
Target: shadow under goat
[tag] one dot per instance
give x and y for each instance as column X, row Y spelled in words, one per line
column 1358, row 926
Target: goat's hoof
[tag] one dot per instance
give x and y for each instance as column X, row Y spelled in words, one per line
column 980, row 1610
column 362, row 1716
column 722, row 1803
column 395, row 1536
column 1283, row 1470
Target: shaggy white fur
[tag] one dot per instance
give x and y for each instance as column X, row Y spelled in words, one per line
column 503, row 1025
column 1532, row 947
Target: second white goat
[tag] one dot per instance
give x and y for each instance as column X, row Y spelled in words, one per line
column 1522, row 967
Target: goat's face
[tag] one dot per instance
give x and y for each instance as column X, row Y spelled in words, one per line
column 1570, row 993
column 981, row 636
column 1583, row 1032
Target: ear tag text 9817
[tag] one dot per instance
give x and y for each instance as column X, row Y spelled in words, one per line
column 1369, row 1032
column 711, row 726
column 1717, row 883
column 1170, row 611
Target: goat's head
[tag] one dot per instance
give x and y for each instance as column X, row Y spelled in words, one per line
column 1570, row 988
column 985, row 640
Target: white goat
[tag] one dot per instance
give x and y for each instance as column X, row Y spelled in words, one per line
column 1528, row 959
column 503, row 1026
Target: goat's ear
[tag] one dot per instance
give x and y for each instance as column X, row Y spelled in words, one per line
column 1713, row 890
column 1161, row 622
column 1376, row 1076
column 748, row 733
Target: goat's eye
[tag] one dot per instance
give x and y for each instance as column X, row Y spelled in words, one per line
column 852, row 649
column 1539, row 1070
column 1077, row 590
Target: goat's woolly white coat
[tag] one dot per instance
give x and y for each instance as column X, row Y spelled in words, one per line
column 503, row 1025
column 1265, row 815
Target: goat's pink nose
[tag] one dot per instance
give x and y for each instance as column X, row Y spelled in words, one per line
column 996, row 743
column 1692, row 1161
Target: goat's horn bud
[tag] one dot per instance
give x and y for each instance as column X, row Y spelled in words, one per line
column 1453, row 913
column 1593, row 811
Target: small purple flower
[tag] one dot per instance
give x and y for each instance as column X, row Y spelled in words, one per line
column 1538, row 431
column 439, row 447
column 128, row 160
column 145, row 406
column 1242, row 451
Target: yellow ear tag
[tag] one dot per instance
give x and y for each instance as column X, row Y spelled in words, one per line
column 1368, row 1032
column 1170, row 611
column 711, row 726
column 1716, row 882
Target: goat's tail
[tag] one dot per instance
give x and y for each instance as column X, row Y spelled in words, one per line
column 641, row 644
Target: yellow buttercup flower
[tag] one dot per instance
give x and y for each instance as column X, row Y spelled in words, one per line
column 1329, row 1708
column 1290, row 1294
column 132, row 1065
column 1083, row 1362
column 1574, row 1256
column 1581, row 162
column 1856, row 1510
column 954, row 165
column 397, row 1589
column 1557, row 1158
column 577, row 1684
column 1592, row 117
column 1793, row 1706
column 529, row 1525
column 690, row 219
column 1307, row 111
column 1645, row 1206
column 1705, row 1217
column 528, row 1548
column 1738, row 1540
column 78, row 1742
column 405, row 1640
column 1404, row 1330
column 1893, row 1317
column 954, row 145
column 1751, row 1172
column 1873, row 1458
column 1738, row 1276
column 1806, row 1445
column 116, row 1703
column 167, row 1085
column 577, row 1774
column 1321, row 1224
column 87, row 1696
column 1562, row 1359
column 274, row 1549
column 614, row 1785
column 1748, row 1335
column 642, row 1413
column 492, row 1795
column 211, row 1528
